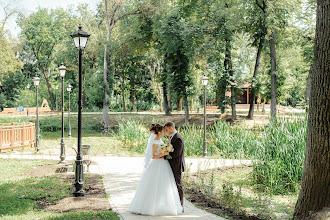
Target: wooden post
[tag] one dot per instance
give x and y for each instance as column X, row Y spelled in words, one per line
column 247, row 96
column 33, row 131
column 1, row 137
column 23, row 135
column 12, row 136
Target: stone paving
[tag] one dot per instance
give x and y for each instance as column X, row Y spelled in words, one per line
column 122, row 175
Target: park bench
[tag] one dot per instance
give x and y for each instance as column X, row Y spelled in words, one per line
column 86, row 155
column 9, row 110
column 211, row 108
column 281, row 111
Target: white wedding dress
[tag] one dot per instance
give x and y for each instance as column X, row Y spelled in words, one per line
column 156, row 193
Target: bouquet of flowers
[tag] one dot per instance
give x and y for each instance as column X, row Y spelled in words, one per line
column 168, row 148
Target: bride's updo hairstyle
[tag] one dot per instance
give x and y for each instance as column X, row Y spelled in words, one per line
column 156, row 128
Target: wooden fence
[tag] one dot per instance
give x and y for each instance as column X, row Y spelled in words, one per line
column 16, row 136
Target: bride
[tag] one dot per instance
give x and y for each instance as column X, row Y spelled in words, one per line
column 156, row 193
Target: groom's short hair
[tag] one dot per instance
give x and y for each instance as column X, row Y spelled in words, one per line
column 169, row 124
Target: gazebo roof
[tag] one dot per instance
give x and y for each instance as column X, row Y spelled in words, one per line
column 243, row 85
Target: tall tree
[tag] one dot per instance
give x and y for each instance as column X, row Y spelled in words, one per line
column 42, row 32
column 273, row 74
column 9, row 8
column 258, row 32
column 175, row 35
column 113, row 13
column 229, row 71
column 315, row 187
column 8, row 60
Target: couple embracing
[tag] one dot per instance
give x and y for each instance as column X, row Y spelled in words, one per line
column 160, row 190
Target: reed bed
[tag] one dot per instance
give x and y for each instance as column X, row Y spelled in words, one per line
column 278, row 160
column 277, row 149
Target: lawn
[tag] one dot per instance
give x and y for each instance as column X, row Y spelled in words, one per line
column 26, row 197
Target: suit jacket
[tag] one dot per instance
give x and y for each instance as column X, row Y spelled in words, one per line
column 177, row 162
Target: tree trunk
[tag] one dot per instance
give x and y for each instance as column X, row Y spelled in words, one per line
column 315, row 186
column 186, row 105
column 169, row 101
column 233, row 104
column 229, row 69
column 308, row 87
column 156, row 86
column 273, row 75
column 132, row 98
column 179, row 105
column 255, row 73
column 49, row 87
column 123, row 92
column 222, row 94
column 105, row 117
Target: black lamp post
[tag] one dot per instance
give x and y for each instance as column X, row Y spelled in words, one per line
column 56, row 97
column 204, row 83
column 68, row 88
column 62, row 70
column 27, row 110
column 80, row 38
column 36, row 81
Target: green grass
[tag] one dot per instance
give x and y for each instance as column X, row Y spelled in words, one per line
column 277, row 149
column 72, row 215
column 54, row 123
column 11, row 169
column 234, row 189
column 22, row 197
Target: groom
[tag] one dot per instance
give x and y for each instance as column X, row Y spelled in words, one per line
column 177, row 161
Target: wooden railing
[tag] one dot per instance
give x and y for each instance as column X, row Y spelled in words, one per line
column 16, row 136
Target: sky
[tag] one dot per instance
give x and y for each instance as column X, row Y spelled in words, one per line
column 29, row 6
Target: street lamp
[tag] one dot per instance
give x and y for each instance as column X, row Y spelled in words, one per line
column 36, row 81
column 56, row 97
column 27, row 111
column 62, row 70
column 204, row 83
column 68, row 88
column 80, row 38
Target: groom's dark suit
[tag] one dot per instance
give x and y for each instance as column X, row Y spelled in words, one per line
column 177, row 162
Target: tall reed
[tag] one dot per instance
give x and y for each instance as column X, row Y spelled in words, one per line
column 277, row 150
column 232, row 141
column 279, row 157
column 133, row 134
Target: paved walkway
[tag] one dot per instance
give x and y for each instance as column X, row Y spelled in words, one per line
column 122, row 175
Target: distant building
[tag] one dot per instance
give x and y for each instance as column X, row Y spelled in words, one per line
column 244, row 97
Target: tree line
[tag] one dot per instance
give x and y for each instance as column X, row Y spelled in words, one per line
column 153, row 53
column 156, row 51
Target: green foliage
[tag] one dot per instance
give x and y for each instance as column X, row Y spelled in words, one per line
column 90, row 123
column 19, row 194
column 22, row 197
column 75, row 215
column 12, row 85
column 133, row 134
column 230, row 196
column 8, row 62
column 232, row 189
column 280, row 156
column 183, row 40
column 278, row 150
